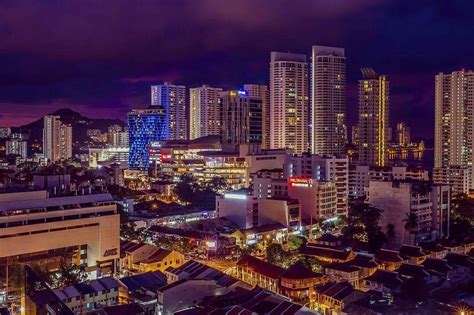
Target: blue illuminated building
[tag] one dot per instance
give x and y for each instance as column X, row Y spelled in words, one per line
column 146, row 127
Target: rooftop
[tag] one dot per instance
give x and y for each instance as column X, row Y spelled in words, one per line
column 260, row 266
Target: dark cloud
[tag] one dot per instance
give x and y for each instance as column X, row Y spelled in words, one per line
column 100, row 57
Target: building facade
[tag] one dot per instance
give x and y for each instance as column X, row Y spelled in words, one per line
column 173, row 99
column 454, row 110
column 146, row 128
column 289, row 102
column 34, row 225
column 57, row 139
column 261, row 91
column 328, row 100
column 458, row 177
column 373, row 118
column 241, row 118
column 204, row 112
column 403, row 135
column 323, row 168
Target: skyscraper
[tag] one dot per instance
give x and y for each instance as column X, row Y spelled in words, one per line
column 173, row 99
column 261, row 91
column 57, row 139
column 328, row 100
column 204, row 112
column 145, row 127
column 403, row 134
column 454, row 110
column 289, row 101
column 241, row 118
column 373, row 118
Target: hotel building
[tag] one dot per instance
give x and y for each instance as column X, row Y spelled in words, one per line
column 204, row 112
column 328, row 100
column 289, row 102
column 323, row 168
column 373, row 118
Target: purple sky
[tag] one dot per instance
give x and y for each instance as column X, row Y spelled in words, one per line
column 99, row 57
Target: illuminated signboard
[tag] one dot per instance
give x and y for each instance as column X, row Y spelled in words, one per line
column 211, row 245
column 235, row 196
column 300, row 182
column 243, row 93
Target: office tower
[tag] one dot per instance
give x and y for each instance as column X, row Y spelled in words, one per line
column 57, row 139
column 328, row 100
column 146, row 127
column 204, row 112
column 355, row 135
column 261, row 91
column 289, row 102
column 173, row 99
column 373, row 118
column 454, row 109
column 241, row 118
column 403, row 135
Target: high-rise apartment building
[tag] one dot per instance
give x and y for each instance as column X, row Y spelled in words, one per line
column 355, row 135
column 204, row 112
column 173, row 99
column 289, row 102
column 328, row 100
column 241, row 118
column 261, row 91
column 403, row 134
column 454, row 110
column 17, row 147
column 57, row 139
column 373, row 118
column 147, row 127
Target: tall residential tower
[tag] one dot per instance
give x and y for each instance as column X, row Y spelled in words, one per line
column 328, row 100
column 173, row 99
column 204, row 112
column 57, row 139
column 289, row 101
column 373, row 118
column 454, row 110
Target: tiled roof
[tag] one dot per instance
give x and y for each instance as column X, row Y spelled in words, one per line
column 299, row 271
column 345, row 267
column 260, row 266
column 338, row 291
column 389, row 279
column 437, row 265
column 152, row 281
column 124, row 309
column 386, row 255
column 158, row 255
column 411, row 251
column 329, row 253
column 412, row 271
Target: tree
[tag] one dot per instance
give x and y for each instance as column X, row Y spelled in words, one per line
column 411, row 224
column 390, row 228
column 186, row 188
column 363, row 224
column 69, row 274
column 275, row 254
column 296, row 242
column 129, row 232
column 218, row 185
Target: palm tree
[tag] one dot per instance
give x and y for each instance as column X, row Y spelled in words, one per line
column 411, row 224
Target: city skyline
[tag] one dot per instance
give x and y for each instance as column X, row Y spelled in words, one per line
column 107, row 79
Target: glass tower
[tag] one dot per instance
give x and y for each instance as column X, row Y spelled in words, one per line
column 145, row 126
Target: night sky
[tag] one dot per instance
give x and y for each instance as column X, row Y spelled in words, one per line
column 99, row 57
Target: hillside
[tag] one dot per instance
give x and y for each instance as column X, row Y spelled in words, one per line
column 79, row 124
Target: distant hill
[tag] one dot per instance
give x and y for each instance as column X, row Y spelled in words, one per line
column 79, row 124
